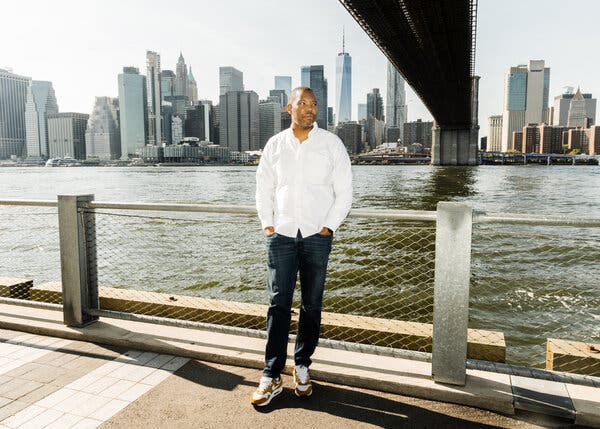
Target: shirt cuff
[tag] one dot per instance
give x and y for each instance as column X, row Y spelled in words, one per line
column 267, row 222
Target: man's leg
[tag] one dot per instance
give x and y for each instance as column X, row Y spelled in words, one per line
column 313, row 257
column 282, row 268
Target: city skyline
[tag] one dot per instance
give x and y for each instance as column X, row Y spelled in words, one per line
column 504, row 39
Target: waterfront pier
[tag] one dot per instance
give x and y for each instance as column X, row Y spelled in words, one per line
column 408, row 309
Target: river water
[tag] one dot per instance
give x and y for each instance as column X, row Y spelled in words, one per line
column 528, row 282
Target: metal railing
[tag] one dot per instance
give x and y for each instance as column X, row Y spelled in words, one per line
column 500, row 275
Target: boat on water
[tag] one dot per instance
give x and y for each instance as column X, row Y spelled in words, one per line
column 62, row 162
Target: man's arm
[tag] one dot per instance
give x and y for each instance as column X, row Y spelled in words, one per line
column 265, row 190
column 342, row 188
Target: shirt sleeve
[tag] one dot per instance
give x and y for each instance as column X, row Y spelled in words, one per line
column 265, row 188
column 342, row 188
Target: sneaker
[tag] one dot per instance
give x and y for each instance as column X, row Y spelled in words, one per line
column 267, row 389
column 302, row 380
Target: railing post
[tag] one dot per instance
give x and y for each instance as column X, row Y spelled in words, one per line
column 77, row 259
column 451, row 292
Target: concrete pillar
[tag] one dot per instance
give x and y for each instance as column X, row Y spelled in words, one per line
column 458, row 146
column 77, row 259
column 454, row 146
column 451, row 292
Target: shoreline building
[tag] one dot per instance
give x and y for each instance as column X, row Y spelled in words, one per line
column 343, row 84
column 494, row 141
column 284, row 83
column 230, row 79
column 13, row 91
column 269, row 112
column 66, row 135
column 102, row 137
column 351, row 135
column 395, row 108
column 418, row 132
column 132, row 100
column 525, row 99
column 314, row 78
column 582, row 110
column 562, row 105
column 153, row 99
column 192, row 87
column 239, row 120
column 375, row 119
column 362, row 112
column 41, row 102
column 182, row 80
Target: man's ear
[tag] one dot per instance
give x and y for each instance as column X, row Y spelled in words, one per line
column 288, row 107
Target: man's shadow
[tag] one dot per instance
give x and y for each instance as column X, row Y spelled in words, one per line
column 335, row 400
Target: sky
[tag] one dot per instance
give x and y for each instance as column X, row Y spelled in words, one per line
column 81, row 47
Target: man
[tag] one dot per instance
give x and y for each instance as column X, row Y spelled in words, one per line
column 303, row 193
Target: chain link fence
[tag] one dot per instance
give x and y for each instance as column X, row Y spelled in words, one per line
column 211, row 268
column 533, row 288
column 29, row 249
column 540, row 286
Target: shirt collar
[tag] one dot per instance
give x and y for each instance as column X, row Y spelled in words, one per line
column 310, row 133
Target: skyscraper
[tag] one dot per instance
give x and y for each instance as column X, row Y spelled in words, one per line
column 153, row 94
column 66, row 135
column 562, row 104
column 102, row 137
column 13, row 96
column 395, row 108
column 132, row 100
column 181, row 79
column 525, row 98
column 343, row 84
column 374, row 104
column 230, row 79
column 281, row 95
column 494, row 142
column 269, row 119
column 577, row 114
column 362, row 111
column 239, row 120
column 195, row 123
column 314, row 78
column 41, row 102
column 210, row 126
column 284, row 83
column 167, row 84
column 192, row 87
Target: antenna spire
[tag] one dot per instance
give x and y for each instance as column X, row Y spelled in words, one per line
column 343, row 40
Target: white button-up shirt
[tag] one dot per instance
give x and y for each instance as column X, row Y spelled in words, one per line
column 303, row 186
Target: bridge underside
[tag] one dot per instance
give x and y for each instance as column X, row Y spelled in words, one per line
column 432, row 43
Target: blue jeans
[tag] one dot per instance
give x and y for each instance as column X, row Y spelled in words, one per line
column 286, row 257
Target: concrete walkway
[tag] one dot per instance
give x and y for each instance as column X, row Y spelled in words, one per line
column 156, row 376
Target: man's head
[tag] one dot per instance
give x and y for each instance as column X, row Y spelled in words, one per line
column 302, row 107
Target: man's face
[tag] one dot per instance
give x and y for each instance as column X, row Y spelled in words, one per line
column 303, row 108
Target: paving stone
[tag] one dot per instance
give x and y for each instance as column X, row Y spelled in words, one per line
column 42, row 420
column 42, row 374
column 13, row 383
column 65, row 421
column 11, row 408
column 23, row 369
column 25, row 387
column 61, row 358
column 39, row 393
column 23, row 416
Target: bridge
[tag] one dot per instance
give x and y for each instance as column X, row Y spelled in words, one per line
column 432, row 43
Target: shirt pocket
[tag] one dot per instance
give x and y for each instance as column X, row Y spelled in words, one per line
column 318, row 168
